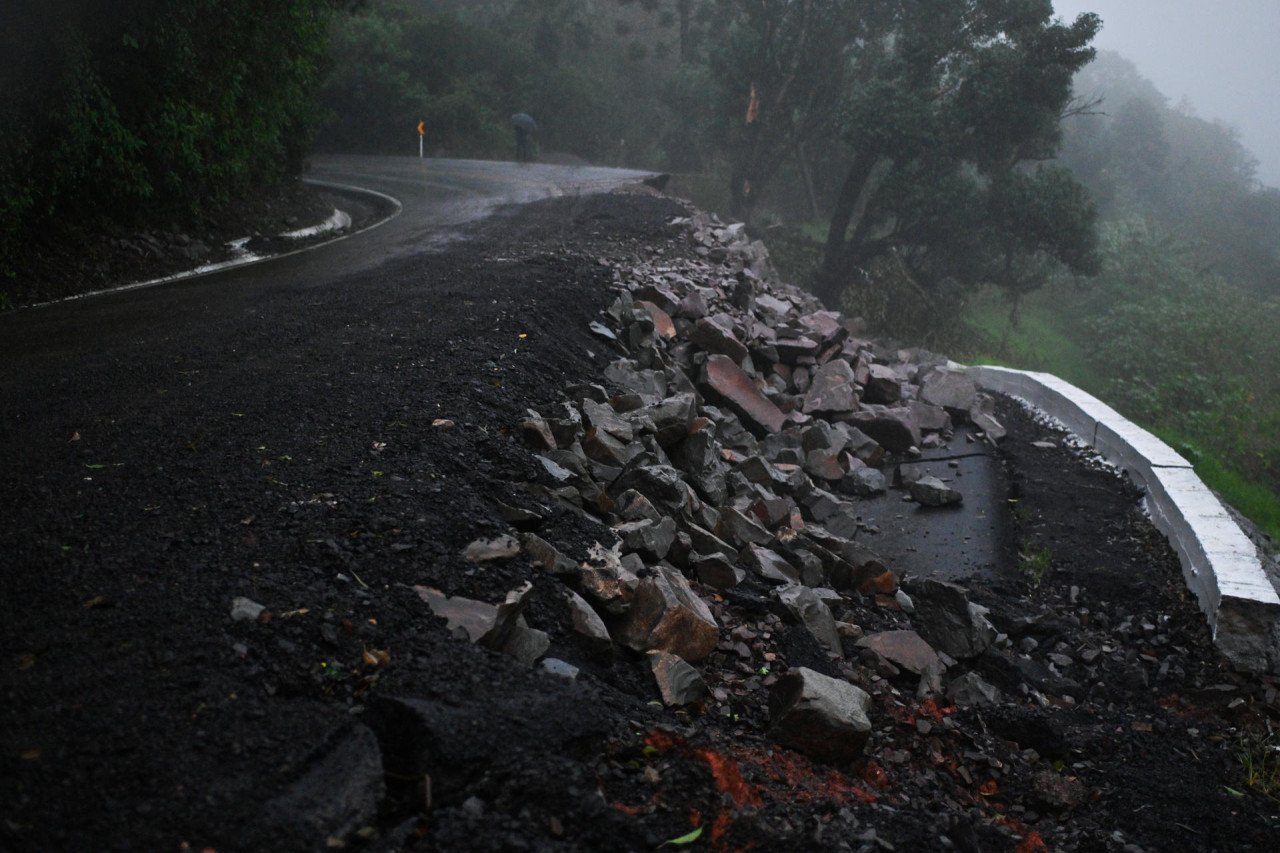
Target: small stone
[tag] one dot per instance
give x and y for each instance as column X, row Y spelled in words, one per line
column 932, row 492
column 245, row 609
column 560, row 669
column 972, row 691
column 487, row 550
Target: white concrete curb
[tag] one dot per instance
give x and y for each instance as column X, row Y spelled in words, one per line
column 338, row 221
column 1219, row 561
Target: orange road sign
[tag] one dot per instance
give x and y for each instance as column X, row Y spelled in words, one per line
column 421, row 132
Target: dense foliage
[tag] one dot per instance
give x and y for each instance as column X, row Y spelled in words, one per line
column 600, row 78
column 154, row 108
column 1141, row 156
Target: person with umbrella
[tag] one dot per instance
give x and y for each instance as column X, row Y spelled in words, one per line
column 525, row 127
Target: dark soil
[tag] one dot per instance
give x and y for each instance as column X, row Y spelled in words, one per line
column 298, row 458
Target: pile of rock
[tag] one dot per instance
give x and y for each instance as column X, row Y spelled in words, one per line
column 747, row 423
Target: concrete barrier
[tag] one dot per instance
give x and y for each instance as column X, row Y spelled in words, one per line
column 1219, row 562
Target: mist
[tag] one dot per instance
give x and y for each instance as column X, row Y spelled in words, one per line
column 1222, row 58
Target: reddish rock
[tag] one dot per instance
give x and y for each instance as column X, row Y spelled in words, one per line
column 885, row 583
column 825, row 325
column 725, row 382
column 662, row 323
column 537, row 433
column 668, row 616
column 905, row 649
column 824, row 464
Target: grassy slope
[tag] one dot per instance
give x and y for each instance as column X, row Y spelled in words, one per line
column 1039, row 343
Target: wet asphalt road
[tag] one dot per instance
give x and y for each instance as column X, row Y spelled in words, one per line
column 437, row 196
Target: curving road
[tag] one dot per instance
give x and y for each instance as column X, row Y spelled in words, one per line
column 437, row 196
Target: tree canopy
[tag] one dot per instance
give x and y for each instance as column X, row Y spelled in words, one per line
column 167, row 106
column 1141, row 156
column 949, row 125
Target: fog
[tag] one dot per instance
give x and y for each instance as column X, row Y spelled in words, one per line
column 1224, row 58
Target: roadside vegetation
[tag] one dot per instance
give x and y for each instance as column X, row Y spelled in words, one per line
column 149, row 109
column 1177, row 330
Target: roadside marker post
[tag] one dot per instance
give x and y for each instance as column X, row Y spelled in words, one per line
column 421, row 133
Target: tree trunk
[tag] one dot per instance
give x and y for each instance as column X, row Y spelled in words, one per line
column 865, row 175
column 807, row 176
column 685, row 8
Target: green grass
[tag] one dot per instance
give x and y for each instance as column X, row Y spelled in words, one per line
column 1256, row 502
column 1040, row 342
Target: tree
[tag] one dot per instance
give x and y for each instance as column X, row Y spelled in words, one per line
column 1141, row 157
column 955, row 102
column 782, row 71
column 175, row 106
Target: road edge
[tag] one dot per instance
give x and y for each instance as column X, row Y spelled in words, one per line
column 336, row 222
column 1220, row 563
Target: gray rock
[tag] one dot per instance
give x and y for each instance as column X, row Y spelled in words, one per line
column 245, row 609
column 600, row 446
column 588, row 624
column 949, row 621
column 883, row 385
column 544, row 554
column 833, row 389
column 819, row 716
column 770, row 565
column 661, row 484
column 740, row 530
column 930, row 491
column 813, row 613
column 983, row 416
column 952, row 389
column 652, row 539
column 970, row 690
column 715, row 334
column 864, row 482
column 678, row 682
column 560, row 669
column 487, row 550
column 905, row 649
column 526, row 644
column 717, row 570
column 893, row 429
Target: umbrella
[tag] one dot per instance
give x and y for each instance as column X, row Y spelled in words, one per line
column 525, row 122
